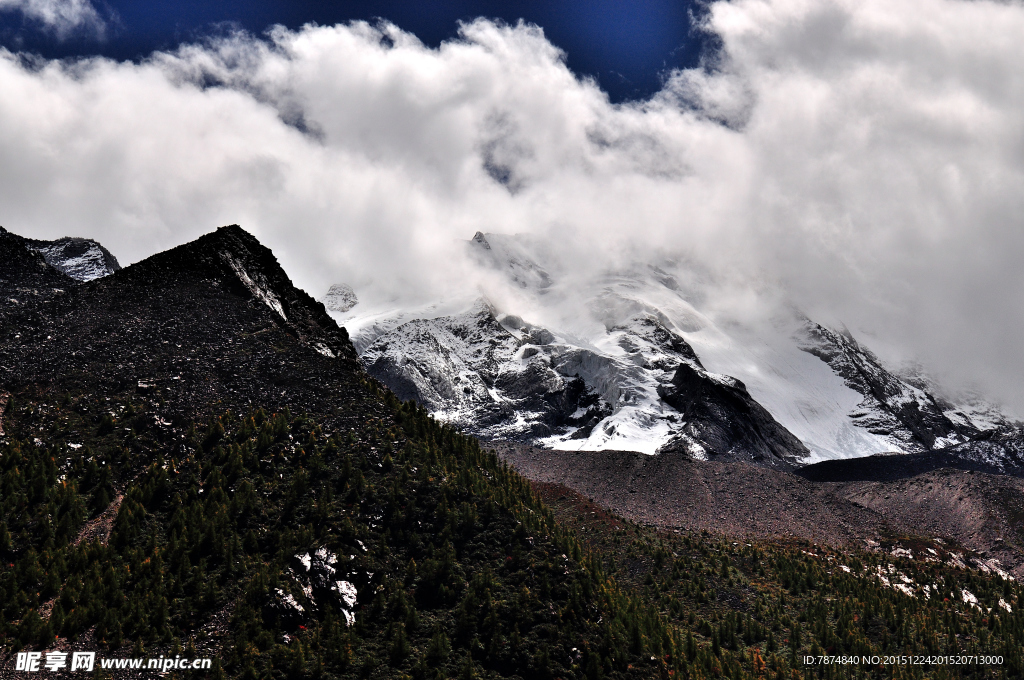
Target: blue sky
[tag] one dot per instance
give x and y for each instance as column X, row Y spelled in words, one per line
column 628, row 45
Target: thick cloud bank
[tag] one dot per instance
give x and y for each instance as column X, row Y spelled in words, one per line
column 865, row 156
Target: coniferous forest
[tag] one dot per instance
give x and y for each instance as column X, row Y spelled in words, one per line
column 196, row 546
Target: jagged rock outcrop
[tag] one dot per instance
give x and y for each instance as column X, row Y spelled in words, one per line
column 25, row 270
column 80, row 258
column 721, row 421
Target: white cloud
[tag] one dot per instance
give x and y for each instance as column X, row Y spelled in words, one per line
column 64, row 17
column 866, row 155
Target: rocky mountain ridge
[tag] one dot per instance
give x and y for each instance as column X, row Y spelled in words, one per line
column 815, row 394
column 79, row 258
column 201, row 324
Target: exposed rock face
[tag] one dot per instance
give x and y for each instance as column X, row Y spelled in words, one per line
column 999, row 450
column 313, row 580
column 723, row 422
column 340, row 298
column 492, row 380
column 25, row 270
column 80, row 258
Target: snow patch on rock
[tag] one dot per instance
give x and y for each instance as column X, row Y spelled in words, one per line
column 81, row 259
column 256, row 284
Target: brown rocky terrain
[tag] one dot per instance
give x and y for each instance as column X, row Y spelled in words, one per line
column 982, row 513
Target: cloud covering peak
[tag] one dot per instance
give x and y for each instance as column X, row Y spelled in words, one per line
column 864, row 157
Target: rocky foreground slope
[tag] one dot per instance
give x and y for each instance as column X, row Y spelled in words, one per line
column 194, row 463
column 832, row 503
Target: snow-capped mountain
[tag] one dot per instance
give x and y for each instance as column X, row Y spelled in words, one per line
column 892, row 406
column 80, row 258
column 501, row 380
column 340, row 298
column 629, row 360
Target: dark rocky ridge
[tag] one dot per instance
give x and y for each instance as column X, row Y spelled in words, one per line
column 890, row 467
column 727, row 422
column 212, row 324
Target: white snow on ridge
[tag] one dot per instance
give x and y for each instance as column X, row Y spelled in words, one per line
column 798, row 389
column 259, row 289
column 615, row 332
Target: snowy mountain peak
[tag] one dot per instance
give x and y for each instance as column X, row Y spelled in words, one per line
column 481, row 240
column 514, row 256
column 340, row 298
column 641, row 358
column 473, row 371
column 80, row 258
column 912, row 418
column 502, row 377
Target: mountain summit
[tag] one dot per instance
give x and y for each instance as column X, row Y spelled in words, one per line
column 199, row 324
column 634, row 359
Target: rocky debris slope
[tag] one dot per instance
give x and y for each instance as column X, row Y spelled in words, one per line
column 205, row 324
column 981, row 512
